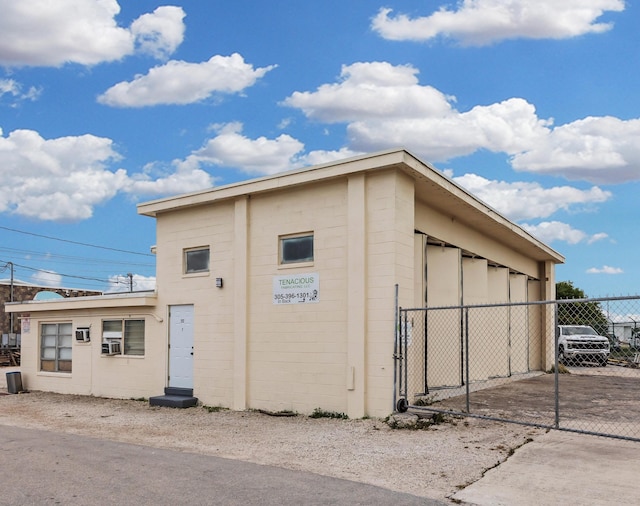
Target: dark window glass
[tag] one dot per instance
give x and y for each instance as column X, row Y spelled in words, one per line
column 134, row 337
column 197, row 260
column 297, row 249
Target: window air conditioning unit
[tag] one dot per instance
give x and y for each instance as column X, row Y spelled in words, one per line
column 110, row 348
column 82, row 335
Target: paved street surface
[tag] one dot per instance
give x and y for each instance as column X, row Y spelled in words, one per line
column 562, row 468
column 40, row 467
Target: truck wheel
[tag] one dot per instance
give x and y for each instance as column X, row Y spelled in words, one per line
column 402, row 405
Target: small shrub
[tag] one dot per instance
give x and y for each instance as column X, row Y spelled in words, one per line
column 562, row 369
column 214, row 409
column 321, row 413
column 424, row 401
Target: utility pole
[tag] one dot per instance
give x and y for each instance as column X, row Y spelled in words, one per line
column 130, row 276
column 10, row 265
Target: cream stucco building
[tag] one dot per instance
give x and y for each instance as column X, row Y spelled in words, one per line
column 279, row 293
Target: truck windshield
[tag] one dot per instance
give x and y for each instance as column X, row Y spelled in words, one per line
column 579, row 331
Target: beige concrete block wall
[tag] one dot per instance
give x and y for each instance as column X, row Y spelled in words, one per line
column 443, row 326
column 520, row 339
column 93, row 373
column 487, row 335
column 496, row 357
column 467, row 238
column 211, row 226
column 534, row 321
column 390, row 260
column 297, row 354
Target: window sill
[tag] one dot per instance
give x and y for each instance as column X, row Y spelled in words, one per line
column 294, row 265
column 196, row 275
column 51, row 374
column 135, row 357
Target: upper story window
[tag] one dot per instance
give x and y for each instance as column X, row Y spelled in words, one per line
column 196, row 260
column 296, row 248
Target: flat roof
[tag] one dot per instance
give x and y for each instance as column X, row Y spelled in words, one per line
column 114, row 300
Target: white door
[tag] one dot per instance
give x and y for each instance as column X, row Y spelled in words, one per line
column 181, row 346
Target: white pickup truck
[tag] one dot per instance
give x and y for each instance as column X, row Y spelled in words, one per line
column 580, row 342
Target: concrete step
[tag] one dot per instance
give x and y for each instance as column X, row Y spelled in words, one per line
column 186, row 392
column 173, row 401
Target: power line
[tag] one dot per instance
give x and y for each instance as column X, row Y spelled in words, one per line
column 70, row 258
column 62, row 274
column 76, row 242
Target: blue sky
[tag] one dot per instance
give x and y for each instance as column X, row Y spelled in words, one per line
column 532, row 106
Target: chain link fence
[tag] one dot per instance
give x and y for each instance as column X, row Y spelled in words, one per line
column 570, row 365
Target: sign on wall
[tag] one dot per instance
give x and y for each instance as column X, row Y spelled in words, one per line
column 296, row 289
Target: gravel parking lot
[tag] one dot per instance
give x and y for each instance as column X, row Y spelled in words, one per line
column 435, row 462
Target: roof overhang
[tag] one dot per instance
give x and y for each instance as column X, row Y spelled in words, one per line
column 120, row 300
column 432, row 186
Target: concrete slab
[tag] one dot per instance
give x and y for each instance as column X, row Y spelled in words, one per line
column 562, row 468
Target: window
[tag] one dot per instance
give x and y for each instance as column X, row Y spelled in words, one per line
column 55, row 347
column 298, row 248
column 196, row 260
column 130, row 333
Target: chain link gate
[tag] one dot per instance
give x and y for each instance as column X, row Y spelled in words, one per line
column 571, row 365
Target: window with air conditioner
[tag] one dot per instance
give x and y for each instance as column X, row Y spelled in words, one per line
column 126, row 334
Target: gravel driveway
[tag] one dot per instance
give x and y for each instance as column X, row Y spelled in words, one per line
column 435, row 462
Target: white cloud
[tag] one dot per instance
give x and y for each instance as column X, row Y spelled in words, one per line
column 159, row 34
column 254, row 156
column 285, row 123
column 63, row 179
column 393, row 89
column 57, row 179
column 319, row 157
column 509, row 126
column 605, row 269
column 122, row 283
column 36, row 33
column 596, row 149
column 423, row 119
column 154, row 181
column 47, row 278
column 526, row 200
column 416, row 116
column 550, row 231
column 179, row 82
column 481, row 22
column 13, row 89
column 257, row 157
column 598, row 237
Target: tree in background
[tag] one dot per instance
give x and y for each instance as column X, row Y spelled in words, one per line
column 579, row 313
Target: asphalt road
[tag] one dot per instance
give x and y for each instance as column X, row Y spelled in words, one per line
column 45, row 468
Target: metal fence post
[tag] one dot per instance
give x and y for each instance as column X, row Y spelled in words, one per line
column 466, row 361
column 395, row 350
column 556, row 362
